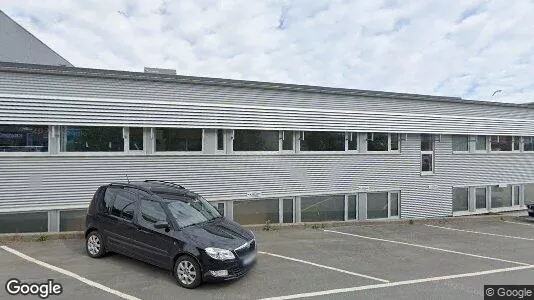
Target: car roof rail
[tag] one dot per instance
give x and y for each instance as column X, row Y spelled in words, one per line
column 165, row 183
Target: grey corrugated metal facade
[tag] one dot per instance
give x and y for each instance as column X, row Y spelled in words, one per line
column 18, row 45
column 55, row 96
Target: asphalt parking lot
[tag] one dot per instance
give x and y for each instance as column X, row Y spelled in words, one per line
column 450, row 259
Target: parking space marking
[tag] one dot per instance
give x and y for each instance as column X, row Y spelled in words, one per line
column 70, row 274
column 483, row 233
column 428, row 247
column 519, row 223
column 398, row 283
column 324, row 267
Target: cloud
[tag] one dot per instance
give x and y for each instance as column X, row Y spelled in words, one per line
column 462, row 48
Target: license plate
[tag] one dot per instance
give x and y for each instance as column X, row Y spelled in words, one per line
column 249, row 259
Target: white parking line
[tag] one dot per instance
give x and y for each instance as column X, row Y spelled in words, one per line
column 483, row 233
column 71, row 274
column 397, row 283
column 323, row 266
column 428, row 247
column 519, row 223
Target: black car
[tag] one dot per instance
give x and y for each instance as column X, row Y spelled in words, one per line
column 171, row 227
column 530, row 208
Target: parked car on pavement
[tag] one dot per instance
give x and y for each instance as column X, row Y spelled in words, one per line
column 166, row 225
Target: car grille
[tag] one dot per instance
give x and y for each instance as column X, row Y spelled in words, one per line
column 246, row 249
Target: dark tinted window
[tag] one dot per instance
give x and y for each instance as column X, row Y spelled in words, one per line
column 109, row 196
column 322, row 141
column 136, row 138
column 123, row 206
column 256, row 140
column 178, row 139
column 377, row 142
column 150, row 213
column 92, row 139
column 23, row 138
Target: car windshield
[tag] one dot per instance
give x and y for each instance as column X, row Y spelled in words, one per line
column 189, row 211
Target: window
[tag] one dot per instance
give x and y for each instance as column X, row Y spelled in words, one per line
column 504, row 143
column 287, row 140
column 220, row 139
column 460, row 199
column 178, row 139
column 72, row 220
column 256, row 140
column 528, row 143
column 322, row 208
column 382, row 142
column 481, row 198
column 220, row 208
column 481, row 143
column 123, row 206
column 460, row 143
column 515, row 196
column 377, row 205
column 352, row 207
column 256, row 211
column 394, row 204
column 501, row 196
column 92, row 139
column 529, row 193
column 24, row 222
column 136, row 138
column 151, row 212
column 287, row 210
column 322, row 141
column 427, row 154
column 352, row 141
column 23, row 138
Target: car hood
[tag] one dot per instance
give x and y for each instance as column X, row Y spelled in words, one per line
column 219, row 233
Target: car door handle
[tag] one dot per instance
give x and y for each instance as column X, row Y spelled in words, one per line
column 142, row 230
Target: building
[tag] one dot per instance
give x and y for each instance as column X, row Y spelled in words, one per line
column 259, row 151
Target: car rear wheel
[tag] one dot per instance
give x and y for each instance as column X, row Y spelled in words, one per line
column 187, row 272
column 94, row 245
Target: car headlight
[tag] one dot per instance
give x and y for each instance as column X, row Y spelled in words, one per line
column 220, row 254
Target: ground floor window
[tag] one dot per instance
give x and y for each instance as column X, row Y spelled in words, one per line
column 352, row 207
column 287, row 209
column 460, row 199
column 383, row 205
column 529, row 193
column 23, row 138
column 256, row 211
column 24, row 222
column 481, row 195
column 322, row 208
column 501, row 196
column 72, row 220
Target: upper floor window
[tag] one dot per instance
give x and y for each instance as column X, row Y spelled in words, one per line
column 322, row 141
column 256, row 140
column 220, row 140
column 460, row 143
column 427, row 154
column 178, row 139
column 481, row 143
column 92, row 139
column 504, row 143
column 136, row 138
column 382, row 142
column 23, row 138
column 528, row 143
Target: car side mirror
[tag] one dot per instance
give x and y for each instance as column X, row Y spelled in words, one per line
column 162, row 225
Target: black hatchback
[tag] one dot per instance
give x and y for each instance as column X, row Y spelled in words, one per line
column 171, row 227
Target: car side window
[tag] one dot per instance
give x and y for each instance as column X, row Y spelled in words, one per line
column 150, row 213
column 123, row 206
column 109, row 196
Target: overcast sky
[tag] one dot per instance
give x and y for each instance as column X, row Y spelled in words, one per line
column 464, row 48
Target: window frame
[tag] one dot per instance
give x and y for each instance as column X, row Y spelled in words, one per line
column 281, row 137
column 274, row 152
column 427, row 152
column 398, row 216
column 325, row 152
column 469, row 200
column 281, row 210
column 224, row 134
column 488, row 144
column 398, row 205
column 61, row 129
column 389, row 143
column 173, row 153
column 126, row 136
column 522, row 147
column 51, row 138
column 514, row 137
column 488, row 198
column 460, row 151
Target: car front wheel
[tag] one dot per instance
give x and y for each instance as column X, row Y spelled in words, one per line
column 94, row 245
column 187, row 272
